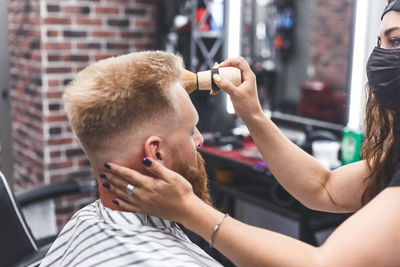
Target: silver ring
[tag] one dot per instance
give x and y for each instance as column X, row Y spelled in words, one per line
column 129, row 189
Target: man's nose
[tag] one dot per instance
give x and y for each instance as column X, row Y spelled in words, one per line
column 198, row 139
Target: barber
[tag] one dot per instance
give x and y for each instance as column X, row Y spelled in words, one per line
column 370, row 188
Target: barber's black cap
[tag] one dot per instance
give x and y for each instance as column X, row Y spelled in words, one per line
column 395, row 5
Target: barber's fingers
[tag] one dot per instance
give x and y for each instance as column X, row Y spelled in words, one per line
column 240, row 63
column 126, row 206
column 224, row 84
column 116, row 180
column 159, row 170
column 128, row 174
column 121, row 193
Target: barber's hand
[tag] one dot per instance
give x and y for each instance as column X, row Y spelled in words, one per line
column 244, row 97
column 168, row 196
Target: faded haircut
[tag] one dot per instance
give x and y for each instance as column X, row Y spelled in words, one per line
column 113, row 95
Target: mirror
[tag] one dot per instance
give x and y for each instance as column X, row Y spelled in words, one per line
column 300, row 51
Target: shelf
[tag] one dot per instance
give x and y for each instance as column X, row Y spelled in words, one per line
column 207, row 34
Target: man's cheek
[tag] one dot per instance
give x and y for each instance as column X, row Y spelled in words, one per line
column 191, row 158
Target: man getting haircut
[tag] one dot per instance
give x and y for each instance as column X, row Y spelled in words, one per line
column 124, row 109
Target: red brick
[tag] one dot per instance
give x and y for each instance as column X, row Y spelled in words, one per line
column 53, row 83
column 142, row 46
column 80, row 68
column 58, row 178
column 103, row 56
column 52, row 33
column 76, row 58
column 18, row 19
column 57, row 21
column 71, row 9
column 55, row 130
column 54, row 95
column 53, row 58
column 135, row 11
column 105, row 34
column 88, row 46
column 56, row 118
column 54, row 107
column 88, row 21
column 57, row 46
column 34, row 20
column 83, row 162
column 55, row 154
column 53, row 8
column 36, row 56
column 107, row 10
column 60, row 141
column 132, row 34
column 77, row 9
column 145, row 23
column 61, row 165
column 118, row 22
column 58, row 70
column 75, row 34
column 117, row 46
column 74, row 152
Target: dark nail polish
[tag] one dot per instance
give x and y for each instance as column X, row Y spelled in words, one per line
column 146, row 162
column 102, row 175
column 107, row 166
column 106, row 185
column 115, row 202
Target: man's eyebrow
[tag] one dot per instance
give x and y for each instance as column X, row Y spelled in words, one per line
column 389, row 31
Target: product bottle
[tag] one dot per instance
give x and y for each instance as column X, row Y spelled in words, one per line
column 351, row 145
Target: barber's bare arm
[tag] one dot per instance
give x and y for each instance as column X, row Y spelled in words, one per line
column 302, row 176
column 368, row 238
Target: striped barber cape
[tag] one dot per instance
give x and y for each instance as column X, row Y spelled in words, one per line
column 98, row 236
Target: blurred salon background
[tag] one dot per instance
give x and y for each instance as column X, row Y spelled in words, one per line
column 309, row 57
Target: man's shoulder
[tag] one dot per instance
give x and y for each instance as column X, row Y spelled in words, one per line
column 129, row 239
column 87, row 214
column 81, row 223
column 89, row 209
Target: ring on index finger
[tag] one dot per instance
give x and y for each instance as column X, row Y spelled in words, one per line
column 129, row 189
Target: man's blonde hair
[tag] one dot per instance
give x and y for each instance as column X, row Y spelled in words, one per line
column 109, row 97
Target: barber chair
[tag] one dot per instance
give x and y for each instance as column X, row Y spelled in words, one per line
column 18, row 247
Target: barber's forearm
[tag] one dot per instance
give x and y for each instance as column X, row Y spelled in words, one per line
column 290, row 165
column 246, row 245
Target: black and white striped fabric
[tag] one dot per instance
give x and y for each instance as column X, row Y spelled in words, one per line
column 98, row 236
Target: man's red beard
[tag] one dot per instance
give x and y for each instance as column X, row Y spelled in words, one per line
column 196, row 176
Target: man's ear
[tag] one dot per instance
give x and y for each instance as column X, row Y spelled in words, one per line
column 152, row 148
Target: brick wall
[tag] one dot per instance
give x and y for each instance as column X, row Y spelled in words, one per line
column 50, row 41
column 26, row 92
column 330, row 41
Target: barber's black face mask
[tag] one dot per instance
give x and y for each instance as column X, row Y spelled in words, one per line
column 383, row 71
